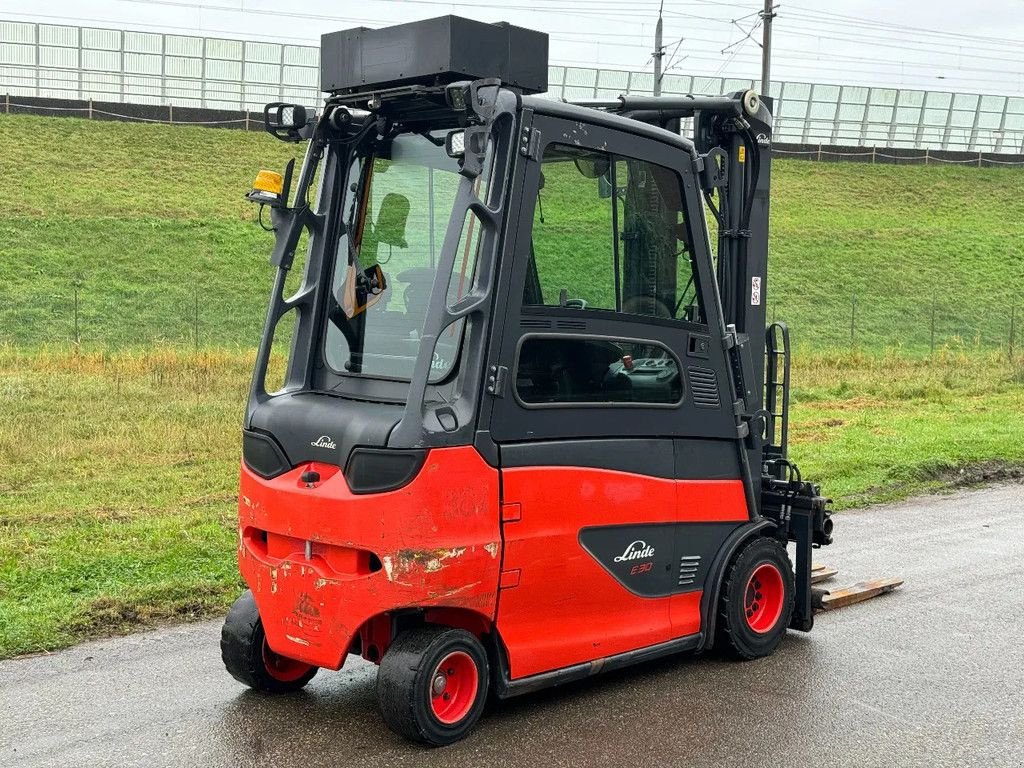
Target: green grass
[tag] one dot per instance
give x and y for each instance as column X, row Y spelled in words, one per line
column 117, row 492
column 146, row 221
column 878, row 429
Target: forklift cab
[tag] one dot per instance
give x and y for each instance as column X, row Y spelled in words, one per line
column 522, row 436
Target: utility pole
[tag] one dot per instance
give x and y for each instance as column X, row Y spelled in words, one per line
column 766, row 45
column 659, row 50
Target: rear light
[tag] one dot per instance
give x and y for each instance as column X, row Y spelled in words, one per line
column 263, row 455
column 376, row 470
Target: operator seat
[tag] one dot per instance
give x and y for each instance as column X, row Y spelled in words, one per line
column 391, row 220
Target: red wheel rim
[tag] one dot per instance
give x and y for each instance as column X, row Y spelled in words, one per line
column 281, row 668
column 762, row 602
column 453, row 687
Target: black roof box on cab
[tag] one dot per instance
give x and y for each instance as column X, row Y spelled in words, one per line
column 432, row 52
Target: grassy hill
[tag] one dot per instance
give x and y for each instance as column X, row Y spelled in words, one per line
column 147, row 224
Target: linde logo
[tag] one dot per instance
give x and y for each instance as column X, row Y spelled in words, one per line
column 438, row 363
column 324, row 441
column 638, row 550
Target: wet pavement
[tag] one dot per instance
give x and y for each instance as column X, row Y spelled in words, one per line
column 932, row 674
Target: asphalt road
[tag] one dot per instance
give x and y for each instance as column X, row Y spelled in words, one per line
column 931, row 675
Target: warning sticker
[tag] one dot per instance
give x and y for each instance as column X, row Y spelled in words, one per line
column 755, row 291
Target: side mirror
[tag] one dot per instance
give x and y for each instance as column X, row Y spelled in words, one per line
column 285, row 121
column 593, row 166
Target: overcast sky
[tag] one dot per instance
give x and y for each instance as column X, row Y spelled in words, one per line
column 953, row 45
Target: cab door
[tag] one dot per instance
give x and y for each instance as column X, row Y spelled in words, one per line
column 605, row 314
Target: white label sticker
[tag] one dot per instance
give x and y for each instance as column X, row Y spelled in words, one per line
column 755, row 291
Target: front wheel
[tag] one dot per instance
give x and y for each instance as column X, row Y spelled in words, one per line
column 432, row 684
column 757, row 600
column 246, row 655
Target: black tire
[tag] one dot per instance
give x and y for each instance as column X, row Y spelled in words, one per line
column 753, row 615
column 407, row 691
column 246, row 655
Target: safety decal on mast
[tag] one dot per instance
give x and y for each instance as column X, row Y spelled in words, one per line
column 755, row 291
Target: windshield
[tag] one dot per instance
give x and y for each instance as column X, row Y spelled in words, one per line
column 395, row 215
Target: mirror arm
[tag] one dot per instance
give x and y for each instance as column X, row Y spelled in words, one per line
column 437, row 142
column 286, row 187
column 289, row 224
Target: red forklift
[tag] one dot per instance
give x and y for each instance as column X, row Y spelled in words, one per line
column 532, row 426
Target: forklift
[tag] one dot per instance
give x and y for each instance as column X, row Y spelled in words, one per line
column 532, row 426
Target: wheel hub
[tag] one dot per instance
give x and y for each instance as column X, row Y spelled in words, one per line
column 763, row 598
column 440, row 683
column 453, row 687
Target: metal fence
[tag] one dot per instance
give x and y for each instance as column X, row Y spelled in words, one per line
column 68, row 62
column 90, row 312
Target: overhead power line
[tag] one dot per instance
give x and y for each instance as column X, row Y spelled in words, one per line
column 847, row 21
column 575, row 11
column 737, row 48
column 887, row 43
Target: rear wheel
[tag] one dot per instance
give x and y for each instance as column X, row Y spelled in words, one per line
column 432, row 684
column 246, row 655
column 757, row 600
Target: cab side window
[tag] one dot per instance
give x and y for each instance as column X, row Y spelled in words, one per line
column 609, row 233
column 581, row 370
